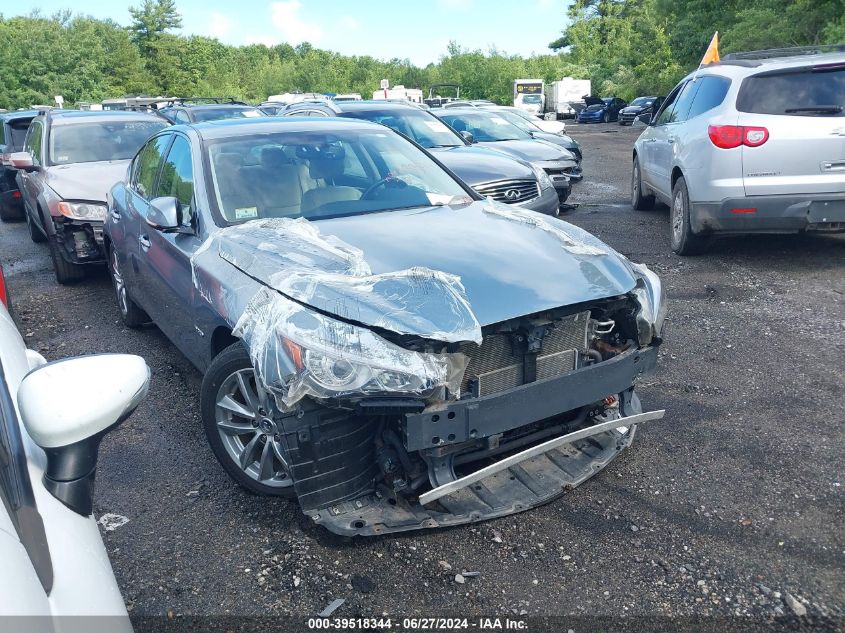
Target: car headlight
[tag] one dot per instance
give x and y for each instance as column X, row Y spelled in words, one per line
column 298, row 352
column 85, row 211
column 542, row 177
column 652, row 313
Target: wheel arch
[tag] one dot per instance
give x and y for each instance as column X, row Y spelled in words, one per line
column 221, row 338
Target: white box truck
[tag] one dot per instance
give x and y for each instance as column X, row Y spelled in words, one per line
column 528, row 95
column 565, row 98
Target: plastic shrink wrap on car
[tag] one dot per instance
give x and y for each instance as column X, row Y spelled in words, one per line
column 298, row 352
column 299, row 349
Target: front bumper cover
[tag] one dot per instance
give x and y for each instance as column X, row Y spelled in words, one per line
column 547, row 202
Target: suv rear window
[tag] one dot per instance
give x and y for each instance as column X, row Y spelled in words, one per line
column 818, row 91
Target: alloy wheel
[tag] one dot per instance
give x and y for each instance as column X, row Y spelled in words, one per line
column 678, row 216
column 119, row 284
column 247, row 430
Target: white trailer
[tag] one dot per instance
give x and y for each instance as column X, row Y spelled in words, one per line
column 528, row 95
column 566, row 97
column 399, row 93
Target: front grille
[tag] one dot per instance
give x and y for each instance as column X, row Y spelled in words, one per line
column 510, row 191
column 498, row 363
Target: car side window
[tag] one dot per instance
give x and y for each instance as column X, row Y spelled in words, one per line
column 182, row 117
column 33, row 142
column 2, row 132
column 148, row 162
column 177, row 178
column 668, row 112
column 711, row 93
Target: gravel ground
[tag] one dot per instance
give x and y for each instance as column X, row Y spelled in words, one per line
column 731, row 506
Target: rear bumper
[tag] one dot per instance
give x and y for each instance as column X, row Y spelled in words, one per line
column 12, row 202
column 522, row 486
column 547, row 202
column 770, row 214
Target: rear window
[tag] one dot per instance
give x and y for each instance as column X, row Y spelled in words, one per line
column 711, row 92
column 18, row 134
column 816, row 91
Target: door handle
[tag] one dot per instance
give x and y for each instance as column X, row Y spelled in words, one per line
column 144, row 241
column 671, row 141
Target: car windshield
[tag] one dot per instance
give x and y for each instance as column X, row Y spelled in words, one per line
column 424, row 128
column 642, row 101
column 100, row 141
column 524, row 124
column 532, row 99
column 217, row 113
column 319, row 174
column 802, row 92
column 485, row 126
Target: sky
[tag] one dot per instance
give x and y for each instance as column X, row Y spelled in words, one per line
column 419, row 30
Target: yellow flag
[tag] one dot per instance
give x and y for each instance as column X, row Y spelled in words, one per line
column 712, row 54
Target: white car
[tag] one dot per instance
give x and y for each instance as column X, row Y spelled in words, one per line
column 52, row 418
column 547, row 125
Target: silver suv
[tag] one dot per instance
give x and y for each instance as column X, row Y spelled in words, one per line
column 753, row 144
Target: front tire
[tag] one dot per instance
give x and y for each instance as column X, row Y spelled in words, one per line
column 131, row 315
column 605, row 117
column 35, row 233
column 238, row 422
column 66, row 272
column 639, row 200
column 684, row 241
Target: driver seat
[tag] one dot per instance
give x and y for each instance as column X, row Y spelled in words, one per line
column 324, row 171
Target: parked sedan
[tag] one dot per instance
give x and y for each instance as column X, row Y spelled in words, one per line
column 52, row 418
column 185, row 112
column 488, row 129
column 491, row 173
column 377, row 340
column 527, row 123
column 600, row 110
column 639, row 107
column 13, row 126
column 69, row 161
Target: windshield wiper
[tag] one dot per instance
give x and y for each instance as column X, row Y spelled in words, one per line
column 820, row 109
column 438, row 146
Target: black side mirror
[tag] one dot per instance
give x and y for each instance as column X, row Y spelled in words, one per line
column 468, row 137
column 645, row 118
column 164, row 214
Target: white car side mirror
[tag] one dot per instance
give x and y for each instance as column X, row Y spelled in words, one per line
column 67, row 407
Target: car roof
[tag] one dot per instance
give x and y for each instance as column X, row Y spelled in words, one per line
column 69, row 117
column 212, row 106
column 19, row 114
column 462, row 110
column 375, row 105
column 743, row 67
column 232, row 128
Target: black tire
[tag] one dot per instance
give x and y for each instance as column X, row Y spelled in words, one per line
column 605, row 117
column 639, row 200
column 66, row 272
column 231, row 360
column 131, row 315
column 7, row 215
column 35, row 233
column 684, row 241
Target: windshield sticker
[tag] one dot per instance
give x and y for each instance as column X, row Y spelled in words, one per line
column 498, row 120
column 435, row 125
column 251, row 113
column 246, row 213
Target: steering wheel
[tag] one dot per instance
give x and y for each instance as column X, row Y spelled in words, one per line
column 383, row 182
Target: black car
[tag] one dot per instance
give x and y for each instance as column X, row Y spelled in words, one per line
column 13, row 126
column 199, row 110
column 486, row 128
column 378, row 340
column 600, row 110
column 491, row 173
column 638, row 107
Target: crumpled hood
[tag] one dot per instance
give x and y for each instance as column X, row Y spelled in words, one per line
column 531, row 151
column 478, row 165
column 508, row 262
column 86, row 181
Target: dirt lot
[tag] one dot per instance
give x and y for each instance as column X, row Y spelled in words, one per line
column 731, row 506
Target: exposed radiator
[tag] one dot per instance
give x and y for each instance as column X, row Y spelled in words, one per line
column 498, row 364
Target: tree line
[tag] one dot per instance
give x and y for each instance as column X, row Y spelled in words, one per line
column 626, row 47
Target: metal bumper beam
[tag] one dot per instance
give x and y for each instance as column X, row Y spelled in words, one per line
column 534, row 451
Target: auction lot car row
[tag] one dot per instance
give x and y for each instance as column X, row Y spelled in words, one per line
column 377, row 338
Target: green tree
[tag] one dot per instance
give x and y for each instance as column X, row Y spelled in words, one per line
column 151, row 19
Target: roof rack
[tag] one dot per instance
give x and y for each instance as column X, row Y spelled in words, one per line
column 184, row 100
column 793, row 51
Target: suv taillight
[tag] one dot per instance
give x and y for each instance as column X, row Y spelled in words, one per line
column 4, row 295
column 731, row 136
